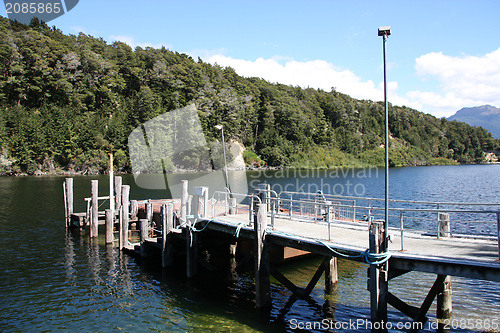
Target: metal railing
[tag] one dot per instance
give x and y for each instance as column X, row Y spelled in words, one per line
column 434, row 219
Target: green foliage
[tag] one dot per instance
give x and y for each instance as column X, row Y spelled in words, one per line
column 73, row 99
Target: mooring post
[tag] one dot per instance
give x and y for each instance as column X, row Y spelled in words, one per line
column 118, row 193
column 134, row 209
column 184, row 200
column 95, row 204
column 262, row 269
column 232, row 206
column 378, row 280
column 191, row 252
column 125, row 191
column 331, row 275
column 167, row 218
column 109, row 226
column 444, row 225
column 444, row 306
column 68, row 199
column 144, row 235
column 149, row 212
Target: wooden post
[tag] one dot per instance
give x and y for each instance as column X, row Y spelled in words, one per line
column 444, row 225
column 148, row 207
column 378, row 281
column 125, row 190
column 167, row 218
column 232, row 206
column 191, row 252
column 144, row 235
column 444, row 306
column 68, row 201
column 262, row 269
column 184, row 200
column 118, row 193
column 95, row 204
column 134, row 209
column 109, row 226
column 331, row 275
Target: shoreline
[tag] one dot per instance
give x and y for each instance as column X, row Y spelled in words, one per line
column 39, row 173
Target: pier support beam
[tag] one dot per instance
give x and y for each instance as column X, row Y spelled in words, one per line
column 331, row 274
column 184, row 201
column 444, row 306
column 262, row 269
column 68, row 199
column 95, row 204
column 118, row 193
column 134, row 209
column 109, row 226
column 191, row 252
column 167, row 218
column 124, row 216
column 378, row 281
column 144, row 227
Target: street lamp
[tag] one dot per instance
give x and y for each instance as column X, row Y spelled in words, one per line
column 384, row 32
column 221, row 128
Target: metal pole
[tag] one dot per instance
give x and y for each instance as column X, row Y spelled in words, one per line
column 225, row 161
column 386, row 223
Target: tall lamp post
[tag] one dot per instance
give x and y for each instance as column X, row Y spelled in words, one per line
column 384, row 32
column 221, row 128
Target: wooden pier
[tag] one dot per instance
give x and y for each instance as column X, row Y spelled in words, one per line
column 267, row 229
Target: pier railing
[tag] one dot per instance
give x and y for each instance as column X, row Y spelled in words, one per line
column 434, row 219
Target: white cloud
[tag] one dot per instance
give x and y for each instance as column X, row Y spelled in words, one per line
column 129, row 40
column 315, row 73
column 464, row 81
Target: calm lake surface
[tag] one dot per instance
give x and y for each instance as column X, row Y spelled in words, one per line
column 51, row 280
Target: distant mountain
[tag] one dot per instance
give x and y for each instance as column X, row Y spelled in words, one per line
column 486, row 116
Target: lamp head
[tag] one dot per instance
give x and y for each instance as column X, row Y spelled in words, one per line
column 219, row 127
column 384, row 31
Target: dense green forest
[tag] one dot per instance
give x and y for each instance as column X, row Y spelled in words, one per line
column 67, row 101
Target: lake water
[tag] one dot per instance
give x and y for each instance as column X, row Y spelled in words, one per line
column 54, row 281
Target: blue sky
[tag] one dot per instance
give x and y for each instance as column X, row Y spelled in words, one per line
column 442, row 55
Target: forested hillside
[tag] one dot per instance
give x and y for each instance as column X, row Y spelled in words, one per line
column 67, row 101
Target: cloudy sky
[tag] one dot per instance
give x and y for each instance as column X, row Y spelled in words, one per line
column 442, row 55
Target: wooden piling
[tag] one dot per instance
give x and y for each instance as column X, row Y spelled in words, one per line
column 118, row 192
column 167, row 218
column 95, row 204
column 444, row 306
column 109, row 226
column 125, row 190
column 191, row 252
column 134, row 209
column 262, row 269
column 232, row 206
column 331, row 275
column 378, row 280
column 148, row 207
column 68, row 199
column 144, row 227
column 184, row 200
column 444, row 225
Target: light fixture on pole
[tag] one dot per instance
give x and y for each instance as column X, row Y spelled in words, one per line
column 384, row 32
column 221, row 128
